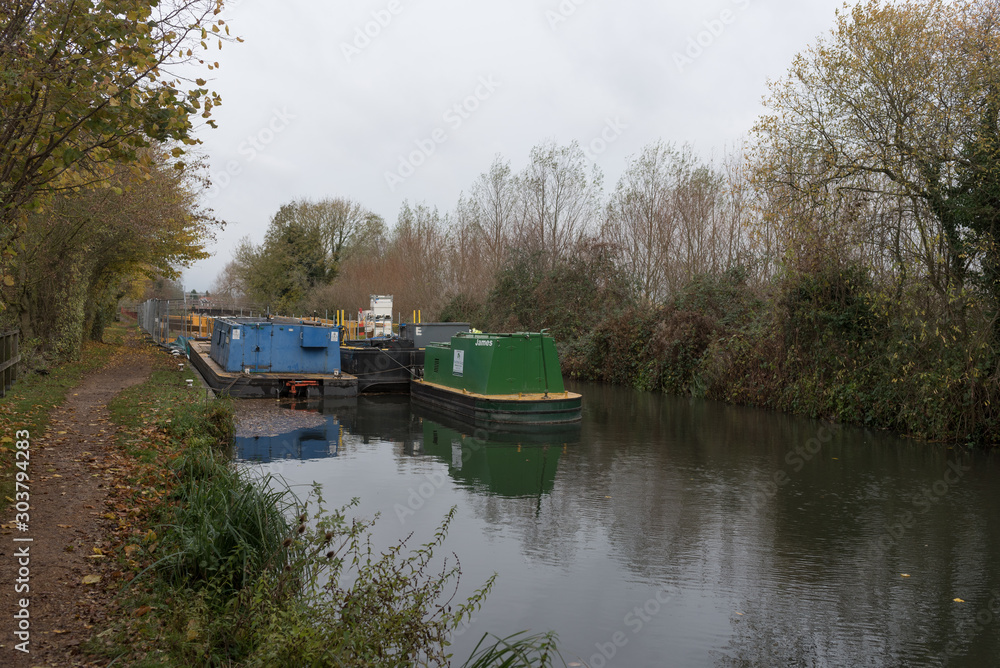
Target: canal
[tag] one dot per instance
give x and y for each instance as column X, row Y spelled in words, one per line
column 665, row 531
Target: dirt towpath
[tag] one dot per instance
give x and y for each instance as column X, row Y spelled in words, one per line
column 71, row 467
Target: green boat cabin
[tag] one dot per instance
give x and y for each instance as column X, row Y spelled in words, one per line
column 495, row 364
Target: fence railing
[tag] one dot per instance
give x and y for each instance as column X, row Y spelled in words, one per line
column 10, row 357
column 166, row 319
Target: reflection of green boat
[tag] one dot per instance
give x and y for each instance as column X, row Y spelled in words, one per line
column 497, row 378
column 563, row 433
column 495, row 460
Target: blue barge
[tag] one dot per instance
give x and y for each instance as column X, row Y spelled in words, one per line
column 254, row 357
column 254, row 346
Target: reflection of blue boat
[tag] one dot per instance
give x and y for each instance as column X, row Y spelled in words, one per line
column 372, row 416
column 303, row 444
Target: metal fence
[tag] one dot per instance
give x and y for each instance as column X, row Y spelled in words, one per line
column 166, row 319
column 10, row 357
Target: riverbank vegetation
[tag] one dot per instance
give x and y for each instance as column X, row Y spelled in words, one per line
column 844, row 262
column 219, row 567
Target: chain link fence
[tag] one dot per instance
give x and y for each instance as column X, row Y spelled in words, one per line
column 167, row 319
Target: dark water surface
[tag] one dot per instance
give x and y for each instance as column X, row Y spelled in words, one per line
column 670, row 532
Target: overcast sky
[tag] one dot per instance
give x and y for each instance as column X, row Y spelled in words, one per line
column 389, row 100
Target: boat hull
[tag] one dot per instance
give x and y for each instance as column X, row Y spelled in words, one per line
column 268, row 384
column 561, row 408
column 380, row 366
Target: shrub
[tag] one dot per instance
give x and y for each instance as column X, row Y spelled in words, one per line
column 830, row 304
column 463, row 308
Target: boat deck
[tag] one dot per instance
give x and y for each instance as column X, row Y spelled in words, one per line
column 521, row 408
column 520, row 396
column 269, row 384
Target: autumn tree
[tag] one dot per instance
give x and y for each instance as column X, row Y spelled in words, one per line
column 305, row 247
column 90, row 248
column 415, row 253
column 345, row 227
column 290, row 262
column 884, row 136
column 86, row 87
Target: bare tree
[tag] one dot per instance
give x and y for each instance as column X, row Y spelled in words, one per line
column 494, row 206
column 228, row 288
column 673, row 216
column 559, row 201
column 640, row 221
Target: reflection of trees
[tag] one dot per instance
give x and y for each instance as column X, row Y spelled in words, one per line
column 817, row 568
column 690, row 504
column 374, row 417
column 682, row 493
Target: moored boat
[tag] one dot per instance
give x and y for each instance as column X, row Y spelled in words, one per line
column 497, row 378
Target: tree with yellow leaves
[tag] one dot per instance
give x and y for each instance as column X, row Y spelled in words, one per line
column 89, row 249
column 882, row 145
column 86, row 86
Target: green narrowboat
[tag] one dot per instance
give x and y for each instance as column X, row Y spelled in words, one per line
column 497, row 379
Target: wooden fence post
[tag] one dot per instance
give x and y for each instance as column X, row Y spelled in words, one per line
column 10, row 357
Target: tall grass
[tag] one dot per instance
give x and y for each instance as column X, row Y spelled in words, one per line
column 226, row 529
column 518, row 650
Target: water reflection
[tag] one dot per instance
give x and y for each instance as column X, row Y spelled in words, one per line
column 510, row 463
column 375, row 417
column 302, row 444
column 703, row 534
